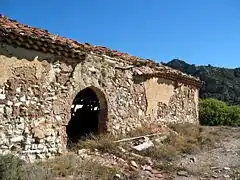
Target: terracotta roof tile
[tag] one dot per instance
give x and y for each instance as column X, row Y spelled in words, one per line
column 14, row 32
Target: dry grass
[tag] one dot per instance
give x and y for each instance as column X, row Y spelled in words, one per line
column 184, row 139
column 64, row 166
column 72, row 165
column 104, row 143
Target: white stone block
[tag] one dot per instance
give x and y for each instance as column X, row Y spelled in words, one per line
column 9, row 103
column 58, row 118
column 143, row 146
column 18, row 104
column 27, row 103
column 17, row 139
column 34, row 146
column 18, row 90
column 27, row 147
column 23, row 99
column 140, row 112
column 40, row 146
column 2, row 109
column 2, row 96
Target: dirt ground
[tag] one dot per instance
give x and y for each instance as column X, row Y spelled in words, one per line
column 222, row 162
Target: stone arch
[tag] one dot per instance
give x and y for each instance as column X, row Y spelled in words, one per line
column 89, row 114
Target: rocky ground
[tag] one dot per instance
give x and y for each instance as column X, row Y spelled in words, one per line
column 222, row 162
column 181, row 153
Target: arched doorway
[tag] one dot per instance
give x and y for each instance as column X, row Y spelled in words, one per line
column 88, row 114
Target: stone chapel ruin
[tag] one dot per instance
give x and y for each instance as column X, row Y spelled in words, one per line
column 54, row 90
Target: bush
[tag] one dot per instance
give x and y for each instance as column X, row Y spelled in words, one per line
column 214, row 112
column 234, row 116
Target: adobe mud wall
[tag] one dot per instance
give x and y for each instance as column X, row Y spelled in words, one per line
column 37, row 91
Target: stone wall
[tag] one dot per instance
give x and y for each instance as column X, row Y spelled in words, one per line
column 170, row 101
column 37, row 91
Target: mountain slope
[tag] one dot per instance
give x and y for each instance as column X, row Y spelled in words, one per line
column 220, row 83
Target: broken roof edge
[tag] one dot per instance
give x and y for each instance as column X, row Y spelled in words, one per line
column 14, row 33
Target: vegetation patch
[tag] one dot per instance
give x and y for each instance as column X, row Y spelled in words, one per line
column 213, row 112
column 68, row 166
column 181, row 139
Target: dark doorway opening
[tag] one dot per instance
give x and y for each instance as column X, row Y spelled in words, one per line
column 85, row 116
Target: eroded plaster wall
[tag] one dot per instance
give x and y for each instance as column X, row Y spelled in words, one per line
column 37, row 91
column 171, row 102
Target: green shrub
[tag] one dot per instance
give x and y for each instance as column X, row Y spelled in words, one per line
column 234, row 116
column 214, row 112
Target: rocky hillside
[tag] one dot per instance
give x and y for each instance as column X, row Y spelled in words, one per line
column 220, row 83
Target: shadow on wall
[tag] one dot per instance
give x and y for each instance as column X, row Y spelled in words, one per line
column 88, row 115
column 30, row 55
column 140, row 78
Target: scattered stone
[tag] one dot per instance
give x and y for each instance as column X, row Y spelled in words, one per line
column 82, row 151
column 182, row 173
column 154, row 171
column 136, row 155
column 226, row 176
column 193, row 159
column 159, row 175
column 226, row 168
column 214, row 168
column 122, row 149
column 143, row 146
column 215, row 176
column 92, row 69
column 117, row 176
column 149, row 161
column 147, row 168
column 133, row 168
column 134, row 164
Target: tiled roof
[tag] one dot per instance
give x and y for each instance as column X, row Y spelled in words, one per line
column 13, row 32
column 50, row 42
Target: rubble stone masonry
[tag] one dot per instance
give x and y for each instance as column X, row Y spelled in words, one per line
column 37, row 91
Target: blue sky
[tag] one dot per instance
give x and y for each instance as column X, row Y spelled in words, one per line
column 197, row 31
